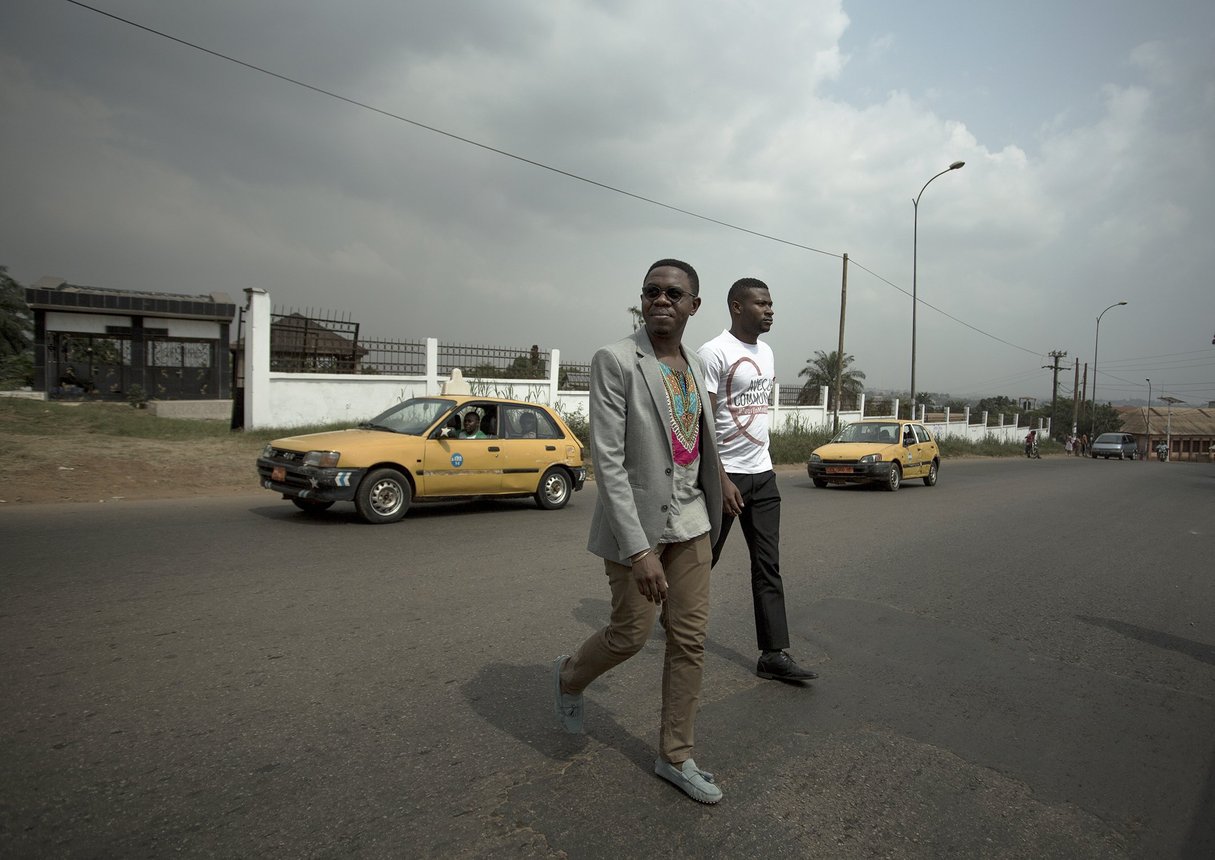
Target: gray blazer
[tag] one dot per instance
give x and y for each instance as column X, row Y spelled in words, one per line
column 631, row 449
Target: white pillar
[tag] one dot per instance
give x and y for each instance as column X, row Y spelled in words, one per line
column 257, row 359
column 554, row 373
column 896, row 408
column 432, row 366
column 861, row 405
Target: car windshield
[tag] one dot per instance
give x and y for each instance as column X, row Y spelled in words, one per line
column 413, row 417
column 879, row 433
column 1109, row 438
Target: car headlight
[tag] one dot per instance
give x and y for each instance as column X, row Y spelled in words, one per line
column 815, row 458
column 871, row 458
column 324, row 459
column 268, row 451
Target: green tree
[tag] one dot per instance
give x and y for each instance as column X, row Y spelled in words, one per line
column 16, row 334
column 996, row 406
column 530, row 366
column 16, row 326
column 1102, row 419
column 821, row 370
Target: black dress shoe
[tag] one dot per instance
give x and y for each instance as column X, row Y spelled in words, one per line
column 779, row 666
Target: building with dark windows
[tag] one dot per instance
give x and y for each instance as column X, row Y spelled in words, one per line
column 104, row 344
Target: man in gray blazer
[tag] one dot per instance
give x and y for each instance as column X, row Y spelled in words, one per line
column 657, row 514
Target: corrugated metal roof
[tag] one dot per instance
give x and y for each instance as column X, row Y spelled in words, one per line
column 1183, row 421
column 49, row 282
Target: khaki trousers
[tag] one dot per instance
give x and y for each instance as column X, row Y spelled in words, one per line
column 686, row 622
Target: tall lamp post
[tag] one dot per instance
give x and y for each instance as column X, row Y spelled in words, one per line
column 1168, row 426
column 1092, row 420
column 915, row 242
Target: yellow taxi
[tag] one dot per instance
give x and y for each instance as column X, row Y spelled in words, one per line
column 430, row 449
column 877, row 450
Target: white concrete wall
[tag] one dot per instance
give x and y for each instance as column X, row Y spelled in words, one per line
column 286, row 400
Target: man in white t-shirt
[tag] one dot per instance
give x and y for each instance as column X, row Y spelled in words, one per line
column 739, row 374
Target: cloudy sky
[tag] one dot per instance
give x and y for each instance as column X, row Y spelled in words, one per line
column 131, row 161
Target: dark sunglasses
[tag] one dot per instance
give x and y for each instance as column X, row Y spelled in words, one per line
column 674, row 294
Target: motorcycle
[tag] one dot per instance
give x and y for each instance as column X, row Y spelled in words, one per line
column 1031, row 450
column 1162, row 452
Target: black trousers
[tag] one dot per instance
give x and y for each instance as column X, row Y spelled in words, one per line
column 760, row 521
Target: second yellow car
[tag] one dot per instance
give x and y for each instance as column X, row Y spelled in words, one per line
column 877, row 450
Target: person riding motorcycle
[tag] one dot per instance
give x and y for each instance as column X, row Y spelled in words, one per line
column 1031, row 445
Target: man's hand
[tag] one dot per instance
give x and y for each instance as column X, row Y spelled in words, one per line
column 651, row 578
column 731, row 498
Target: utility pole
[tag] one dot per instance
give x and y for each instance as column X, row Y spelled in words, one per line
column 839, row 363
column 1084, row 396
column 1056, row 354
column 1076, row 399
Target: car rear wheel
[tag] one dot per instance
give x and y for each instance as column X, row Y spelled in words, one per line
column 312, row 506
column 554, row 490
column 896, row 477
column 930, row 480
column 819, row 482
column 383, row 496
column 1131, row 456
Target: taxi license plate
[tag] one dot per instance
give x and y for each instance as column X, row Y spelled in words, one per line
column 278, row 473
column 839, row 470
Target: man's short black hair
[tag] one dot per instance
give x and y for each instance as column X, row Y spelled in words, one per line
column 686, row 268
column 740, row 287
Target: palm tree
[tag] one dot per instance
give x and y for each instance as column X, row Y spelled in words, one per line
column 821, row 370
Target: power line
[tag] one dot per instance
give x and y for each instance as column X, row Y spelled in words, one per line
column 382, row 112
column 525, row 160
column 943, row 313
column 1165, row 355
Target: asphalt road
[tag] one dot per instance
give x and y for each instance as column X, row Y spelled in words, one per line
column 1018, row 662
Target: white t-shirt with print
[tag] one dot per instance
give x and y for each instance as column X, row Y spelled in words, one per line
column 741, row 376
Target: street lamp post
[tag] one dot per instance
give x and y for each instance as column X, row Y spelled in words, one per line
column 1168, row 426
column 1092, row 421
column 915, row 242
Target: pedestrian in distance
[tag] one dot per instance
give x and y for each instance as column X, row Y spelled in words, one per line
column 740, row 372
column 657, row 515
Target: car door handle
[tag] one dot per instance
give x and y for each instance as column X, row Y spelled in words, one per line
column 494, row 448
column 550, row 447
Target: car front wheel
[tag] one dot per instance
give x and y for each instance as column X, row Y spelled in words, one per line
column 930, row 480
column 819, row 482
column 383, row 496
column 554, row 490
column 896, row 477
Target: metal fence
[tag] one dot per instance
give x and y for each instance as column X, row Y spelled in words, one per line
column 327, row 342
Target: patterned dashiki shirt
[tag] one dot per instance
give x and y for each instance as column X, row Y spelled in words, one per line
column 684, row 400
